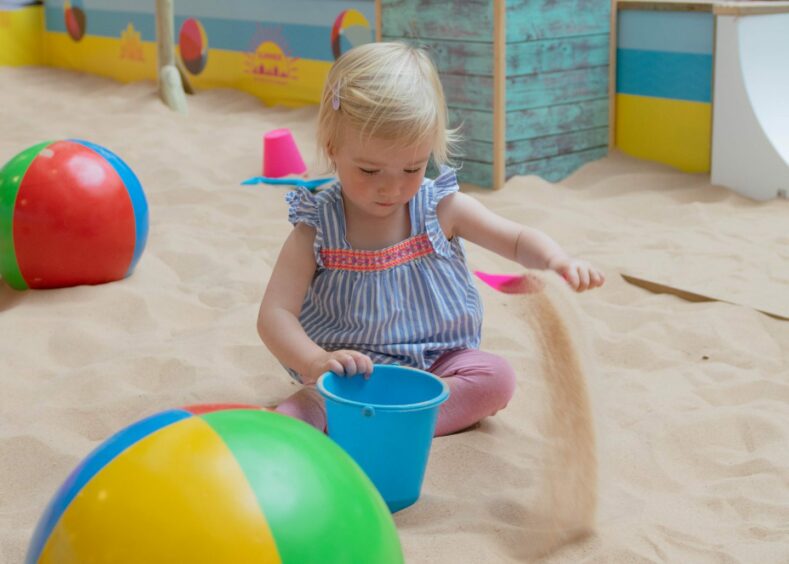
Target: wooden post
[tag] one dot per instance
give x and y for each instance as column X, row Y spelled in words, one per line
column 612, row 76
column 171, row 89
column 499, row 93
column 378, row 20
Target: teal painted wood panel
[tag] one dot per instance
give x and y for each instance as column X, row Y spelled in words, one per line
column 547, row 89
column 468, row 92
column 540, row 147
column 549, row 55
column 537, row 122
column 477, row 150
column 472, row 20
column 478, row 173
column 552, row 120
column 552, row 55
column 543, row 19
column 456, row 57
column 556, row 168
column 473, row 124
column 469, row 20
column 528, row 91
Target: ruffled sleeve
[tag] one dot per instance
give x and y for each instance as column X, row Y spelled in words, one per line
column 303, row 208
column 443, row 185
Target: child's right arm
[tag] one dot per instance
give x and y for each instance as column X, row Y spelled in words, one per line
column 278, row 319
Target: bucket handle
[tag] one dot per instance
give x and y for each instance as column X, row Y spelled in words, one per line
column 368, row 411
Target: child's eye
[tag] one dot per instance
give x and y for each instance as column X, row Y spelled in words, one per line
column 369, row 171
column 412, row 170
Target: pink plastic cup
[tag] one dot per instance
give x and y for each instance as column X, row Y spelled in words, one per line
column 281, row 156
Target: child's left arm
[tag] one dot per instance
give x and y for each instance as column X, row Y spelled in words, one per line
column 463, row 216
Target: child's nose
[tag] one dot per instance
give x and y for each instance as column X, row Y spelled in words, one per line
column 389, row 189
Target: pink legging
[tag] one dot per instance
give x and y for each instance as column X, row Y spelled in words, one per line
column 480, row 384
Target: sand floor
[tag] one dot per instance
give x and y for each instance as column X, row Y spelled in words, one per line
column 691, row 399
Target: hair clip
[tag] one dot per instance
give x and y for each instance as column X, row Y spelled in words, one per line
column 335, row 97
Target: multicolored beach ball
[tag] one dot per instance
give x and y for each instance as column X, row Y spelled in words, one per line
column 217, row 484
column 71, row 212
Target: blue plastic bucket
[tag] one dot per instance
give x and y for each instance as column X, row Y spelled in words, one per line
column 386, row 423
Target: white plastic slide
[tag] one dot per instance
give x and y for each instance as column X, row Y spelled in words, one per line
column 750, row 138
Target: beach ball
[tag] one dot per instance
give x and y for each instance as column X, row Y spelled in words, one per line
column 71, row 212
column 193, row 45
column 216, row 484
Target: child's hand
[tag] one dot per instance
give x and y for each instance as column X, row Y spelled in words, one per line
column 343, row 363
column 579, row 274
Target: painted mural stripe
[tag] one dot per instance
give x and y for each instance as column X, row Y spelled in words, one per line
column 677, row 76
column 307, row 12
column 679, row 32
column 136, row 194
column 680, row 131
column 89, row 467
column 310, row 42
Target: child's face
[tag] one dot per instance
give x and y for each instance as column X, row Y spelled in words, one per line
column 377, row 177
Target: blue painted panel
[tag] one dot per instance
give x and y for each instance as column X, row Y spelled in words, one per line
column 678, row 76
column 680, row 32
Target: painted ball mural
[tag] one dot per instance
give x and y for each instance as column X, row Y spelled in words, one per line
column 71, row 212
column 193, row 45
column 74, row 16
column 217, row 483
column 350, row 30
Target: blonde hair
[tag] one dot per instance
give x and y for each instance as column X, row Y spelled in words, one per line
column 389, row 91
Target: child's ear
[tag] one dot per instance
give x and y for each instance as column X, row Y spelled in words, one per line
column 331, row 153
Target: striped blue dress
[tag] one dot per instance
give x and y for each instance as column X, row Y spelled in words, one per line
column 406, row 304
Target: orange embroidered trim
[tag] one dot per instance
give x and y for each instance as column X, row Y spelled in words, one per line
column 370, row 261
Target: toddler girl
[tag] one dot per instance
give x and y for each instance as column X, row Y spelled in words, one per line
column 374, row 269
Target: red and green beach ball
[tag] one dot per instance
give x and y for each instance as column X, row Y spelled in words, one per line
column 71, row 212
column 217, row 484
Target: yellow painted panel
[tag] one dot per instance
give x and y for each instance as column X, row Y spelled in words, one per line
column 21, row 34
column 674, row 132
column 125, row 60
column 178, row 495
column 290, row 82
